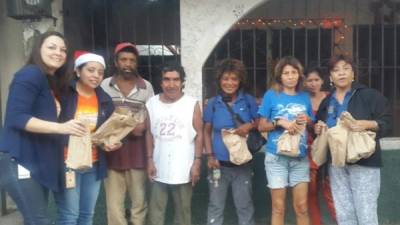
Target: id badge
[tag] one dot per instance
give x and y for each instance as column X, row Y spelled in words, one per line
column 23, row 173
column 70, row 179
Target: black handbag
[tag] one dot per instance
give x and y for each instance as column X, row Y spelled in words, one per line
column 255, row 140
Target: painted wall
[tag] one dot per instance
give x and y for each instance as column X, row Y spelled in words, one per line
column 12, row 45
column 203, row 24
column 16, row 40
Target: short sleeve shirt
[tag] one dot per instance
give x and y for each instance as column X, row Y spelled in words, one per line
column 132, row 154
column 280, row 105
column 220, row 118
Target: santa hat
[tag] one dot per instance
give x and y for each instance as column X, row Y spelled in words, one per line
column 82, row 57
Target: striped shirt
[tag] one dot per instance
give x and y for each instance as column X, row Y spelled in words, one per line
column 132, row 154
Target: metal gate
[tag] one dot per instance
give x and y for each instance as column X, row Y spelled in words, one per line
column 258, row 41
column 260, row 49
column 374, row 37
column 153, row 25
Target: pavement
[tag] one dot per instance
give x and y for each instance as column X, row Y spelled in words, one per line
column 11, row 218
column 388, row 211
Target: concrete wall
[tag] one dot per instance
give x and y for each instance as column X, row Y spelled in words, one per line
column 16, row 40
column 203, row 24
column 12, row 45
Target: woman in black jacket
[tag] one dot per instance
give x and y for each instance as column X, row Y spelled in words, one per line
column 355, row 187
column 85, row 101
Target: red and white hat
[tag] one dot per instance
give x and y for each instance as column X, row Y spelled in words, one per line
column 82, row 57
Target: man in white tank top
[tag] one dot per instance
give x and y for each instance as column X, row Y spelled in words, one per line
column 174, row 144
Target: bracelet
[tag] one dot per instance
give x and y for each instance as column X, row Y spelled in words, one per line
column 197, row 157
column 209, row 154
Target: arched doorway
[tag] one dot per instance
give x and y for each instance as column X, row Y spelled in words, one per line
column 312, row 31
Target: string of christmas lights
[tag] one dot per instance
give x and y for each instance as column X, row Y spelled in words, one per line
column 326, row 23
column 338, row 26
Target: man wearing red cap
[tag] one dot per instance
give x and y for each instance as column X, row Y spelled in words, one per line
column 127, row 166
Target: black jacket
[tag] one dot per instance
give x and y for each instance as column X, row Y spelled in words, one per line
column 69, row 103
column 366, row 104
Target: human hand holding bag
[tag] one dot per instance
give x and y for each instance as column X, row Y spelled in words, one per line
column 319, row 147
column 360, row 144
column 289, row 144
column 238, row 152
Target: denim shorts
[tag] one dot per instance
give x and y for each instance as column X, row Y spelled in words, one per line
column 284, row 171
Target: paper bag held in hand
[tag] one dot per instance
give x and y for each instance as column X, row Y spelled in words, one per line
column 79, row 155
column 118, row 126
column 319, row 148
column 238, row 152
column 337, row 141
column 289, row 144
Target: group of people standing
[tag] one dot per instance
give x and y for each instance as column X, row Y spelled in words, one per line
column 47, row 104
column 295, row 103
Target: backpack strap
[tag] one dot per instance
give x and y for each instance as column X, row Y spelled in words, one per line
column 212, row 101
column 247, row 99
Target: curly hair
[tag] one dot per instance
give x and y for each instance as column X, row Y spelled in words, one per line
column 234, row 66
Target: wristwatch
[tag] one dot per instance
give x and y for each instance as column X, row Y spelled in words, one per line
column 275, row 122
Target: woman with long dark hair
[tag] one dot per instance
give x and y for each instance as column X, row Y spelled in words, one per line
column 86, row 101
column 313, row 83
column 31, row 155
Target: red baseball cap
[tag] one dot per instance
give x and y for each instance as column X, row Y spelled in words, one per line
column 125, row 45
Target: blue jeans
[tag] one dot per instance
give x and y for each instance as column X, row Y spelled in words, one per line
column 76, row 205
column 240, row 178
column 31, row 197
column 283, row 171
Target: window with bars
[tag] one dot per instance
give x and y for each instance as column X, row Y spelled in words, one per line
column 375, row 52
column 98, row 25
column 260, row 49
column 101, row 24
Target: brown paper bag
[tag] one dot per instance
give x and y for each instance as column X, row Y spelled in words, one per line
column 79, row 155
column 319, row 148
column 238, row 152
column 118, row 126
column 288, row 144
column 360, row 145
column 337, row 141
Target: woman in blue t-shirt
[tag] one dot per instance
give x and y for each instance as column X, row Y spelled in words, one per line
column 231, row 78
column 286, row 108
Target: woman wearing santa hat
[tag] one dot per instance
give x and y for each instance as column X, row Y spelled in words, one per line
column 84, row 100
